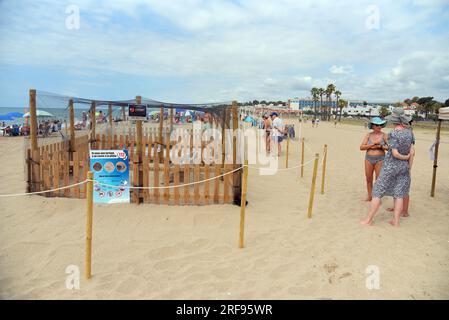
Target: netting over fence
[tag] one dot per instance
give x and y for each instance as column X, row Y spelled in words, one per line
column 66, row 128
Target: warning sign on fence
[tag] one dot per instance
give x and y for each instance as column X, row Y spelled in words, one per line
column 111, row 175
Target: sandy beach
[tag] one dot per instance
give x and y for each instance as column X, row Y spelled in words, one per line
column 167, row 252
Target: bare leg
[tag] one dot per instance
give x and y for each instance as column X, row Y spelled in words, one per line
column 375, row 204
column 369, row 172
column 405, row 208
column 279, row 148
column 377, row 168
column 398, row 206
column 267, row 143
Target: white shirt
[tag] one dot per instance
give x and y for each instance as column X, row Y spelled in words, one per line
column 277, row 123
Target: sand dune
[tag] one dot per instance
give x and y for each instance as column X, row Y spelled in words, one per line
column 167, row 252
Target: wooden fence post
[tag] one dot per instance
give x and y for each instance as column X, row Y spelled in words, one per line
column 35, row 156
column 323, row 173
column 435, row 160
column 312, row 189
column 243, row 204
column 89, row 215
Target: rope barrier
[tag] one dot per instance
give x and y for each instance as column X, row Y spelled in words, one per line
column 150, row 188
column 39, row 192
column 167, row 187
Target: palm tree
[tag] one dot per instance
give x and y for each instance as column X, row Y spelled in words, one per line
column 329, row 90
column 321, row 92
column 341, row 104
column 314, row 93
column 337, row 95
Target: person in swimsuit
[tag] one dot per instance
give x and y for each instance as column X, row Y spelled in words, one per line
column 394, row 179
column 267, row 127
column 375, row 144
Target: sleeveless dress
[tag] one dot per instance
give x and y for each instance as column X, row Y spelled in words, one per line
column 394, row 178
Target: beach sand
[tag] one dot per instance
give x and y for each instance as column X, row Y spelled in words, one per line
column 166, row 252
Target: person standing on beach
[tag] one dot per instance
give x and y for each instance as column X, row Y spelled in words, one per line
column 410, row 161
column 267, row 128
column 394, row 179
column 375, row 145
column 277, row 131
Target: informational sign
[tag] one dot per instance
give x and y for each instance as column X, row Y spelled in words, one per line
column 111, row 175
column 137, row 112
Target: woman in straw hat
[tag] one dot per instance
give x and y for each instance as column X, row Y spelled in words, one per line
column 394, row 178
column 375, row 145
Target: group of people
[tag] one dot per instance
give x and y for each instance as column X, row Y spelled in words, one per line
column 274, row 131
column 390, row 158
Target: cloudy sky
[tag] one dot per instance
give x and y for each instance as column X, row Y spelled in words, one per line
column 193, row 51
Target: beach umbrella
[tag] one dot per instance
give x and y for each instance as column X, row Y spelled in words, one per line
column 39, row 113
column 249, row 119
column 15, row 114
column 5, row 117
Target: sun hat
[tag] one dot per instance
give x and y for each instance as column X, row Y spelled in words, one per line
column 398, row 116
column 377, row 121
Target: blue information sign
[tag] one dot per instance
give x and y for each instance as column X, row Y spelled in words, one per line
column 111, row 175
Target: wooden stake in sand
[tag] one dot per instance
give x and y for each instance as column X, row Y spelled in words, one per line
column 312, row 189
column 35, row 157
column 302, row 157
column 286, row 155
column 435, row 160
column 89, row 215
column 323, row 173
column 243, row 204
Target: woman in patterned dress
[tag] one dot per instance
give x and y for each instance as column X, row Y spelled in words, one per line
column 394, row 178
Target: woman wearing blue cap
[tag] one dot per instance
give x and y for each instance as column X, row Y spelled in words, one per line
column 375, row 144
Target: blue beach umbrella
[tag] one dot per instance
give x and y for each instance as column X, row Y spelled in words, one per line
column 249, row 119
column 15, row 114
column 5, row 117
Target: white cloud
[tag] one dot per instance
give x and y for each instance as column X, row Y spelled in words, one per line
column 340, row 69
column 248, row 49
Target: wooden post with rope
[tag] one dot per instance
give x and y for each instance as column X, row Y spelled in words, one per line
column 435, row 160
column 302, row 157
column 312, row 189
column 243, row 204
column 35, row 157
column 89, row 218
column 323, row 173
column 237, row 175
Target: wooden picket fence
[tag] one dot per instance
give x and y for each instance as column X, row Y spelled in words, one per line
column 60, row 165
